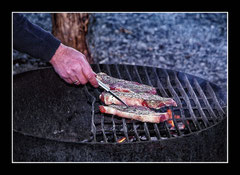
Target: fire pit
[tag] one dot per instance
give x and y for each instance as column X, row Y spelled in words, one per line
column 54, row 121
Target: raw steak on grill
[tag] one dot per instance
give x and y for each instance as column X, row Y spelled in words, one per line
column 137, row 99
column 139, row 113
column 125, row 85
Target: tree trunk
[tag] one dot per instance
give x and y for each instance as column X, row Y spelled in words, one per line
column 71, row 29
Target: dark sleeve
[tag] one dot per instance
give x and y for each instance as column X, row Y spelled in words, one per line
column 32, row 39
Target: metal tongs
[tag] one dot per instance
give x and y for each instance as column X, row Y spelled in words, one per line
column 105, row 87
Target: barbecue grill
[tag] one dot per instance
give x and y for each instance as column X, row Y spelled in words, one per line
column 55, row 121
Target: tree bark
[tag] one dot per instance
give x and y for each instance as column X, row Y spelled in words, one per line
column 71, row 29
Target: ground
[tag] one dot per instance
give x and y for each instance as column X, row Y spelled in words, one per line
column 194, row 43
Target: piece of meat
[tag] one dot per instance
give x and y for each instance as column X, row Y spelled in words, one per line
column 125, row 85
column 137, row 99
column 139, row 113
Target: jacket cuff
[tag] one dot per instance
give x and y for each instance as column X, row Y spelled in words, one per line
column 50, row 45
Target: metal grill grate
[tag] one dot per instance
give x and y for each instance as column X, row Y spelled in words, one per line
column 199, row 106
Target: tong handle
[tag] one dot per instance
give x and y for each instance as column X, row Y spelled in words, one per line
column 103, row 85
column 108, row 90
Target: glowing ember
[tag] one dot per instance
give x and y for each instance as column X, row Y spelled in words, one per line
column 170, row 121
column 177, row 116
column 121, row 140
column 170, row 117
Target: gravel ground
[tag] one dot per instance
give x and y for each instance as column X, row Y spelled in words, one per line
column 194, row 43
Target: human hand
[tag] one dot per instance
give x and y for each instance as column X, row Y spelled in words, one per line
column 72, row 66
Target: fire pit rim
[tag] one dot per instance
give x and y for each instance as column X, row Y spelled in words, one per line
column 102, row 143
column 147, row 66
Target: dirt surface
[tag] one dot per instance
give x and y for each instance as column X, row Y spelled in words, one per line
column 194, row 43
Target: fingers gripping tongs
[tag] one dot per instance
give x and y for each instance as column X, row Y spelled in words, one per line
column 104, row 86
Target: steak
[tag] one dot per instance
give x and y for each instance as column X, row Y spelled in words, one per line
column 139, row 113
column 137, row 99
column 125, row 85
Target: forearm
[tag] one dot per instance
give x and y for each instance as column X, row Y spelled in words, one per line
column 33, row 40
